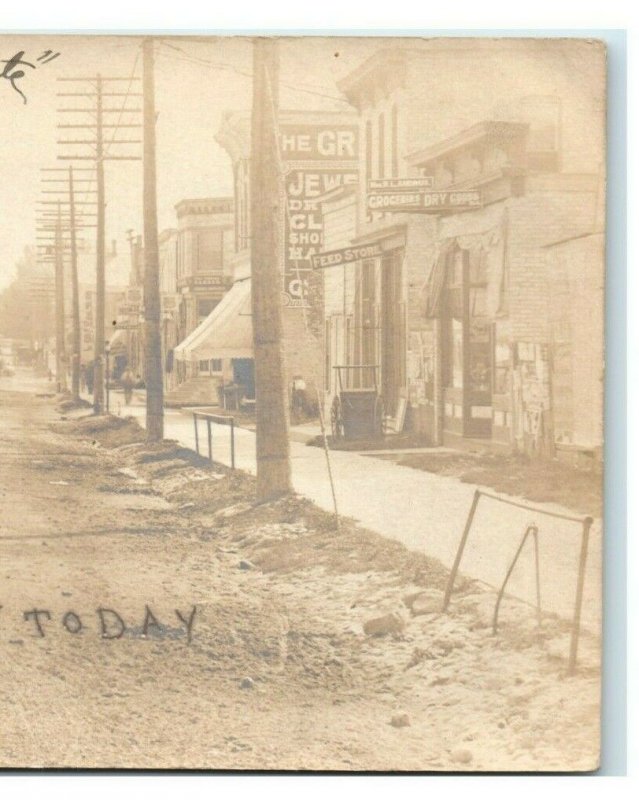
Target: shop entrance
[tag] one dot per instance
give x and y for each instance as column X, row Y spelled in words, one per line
column 392, row 324
column 466, row 346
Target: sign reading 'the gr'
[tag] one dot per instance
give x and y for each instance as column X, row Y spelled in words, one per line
column 318, row 142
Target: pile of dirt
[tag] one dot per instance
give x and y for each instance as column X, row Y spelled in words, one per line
column 106, row 430
column 72, row 403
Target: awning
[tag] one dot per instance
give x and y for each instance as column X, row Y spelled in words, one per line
column 488, row 244
column 118, row 343
column 227, row 332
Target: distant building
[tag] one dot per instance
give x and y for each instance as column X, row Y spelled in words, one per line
column 319, row 152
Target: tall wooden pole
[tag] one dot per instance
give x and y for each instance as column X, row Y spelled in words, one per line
column 60, row 368
column 152, row 329
column 100, row 289
column 75, row 294
column 272, row 445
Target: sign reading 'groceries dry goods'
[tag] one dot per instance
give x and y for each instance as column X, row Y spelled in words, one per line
column 424, row 202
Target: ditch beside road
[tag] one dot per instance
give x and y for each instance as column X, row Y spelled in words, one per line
column 279, row 671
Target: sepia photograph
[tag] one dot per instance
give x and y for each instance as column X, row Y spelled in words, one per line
column 301, row 402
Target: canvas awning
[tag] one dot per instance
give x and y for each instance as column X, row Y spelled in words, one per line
column 227, row 332
column 118, row 343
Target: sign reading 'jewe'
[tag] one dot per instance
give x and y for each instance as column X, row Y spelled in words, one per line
column 318, row 159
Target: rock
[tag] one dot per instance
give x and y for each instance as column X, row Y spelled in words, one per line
column 409, row 599
column 185, row 506
column 389, row 623
column 233, row 511
column 429, row 602
column 245, row 564
column 400, row 720
column 247, row 683
column 461, row 756
column 128, row 472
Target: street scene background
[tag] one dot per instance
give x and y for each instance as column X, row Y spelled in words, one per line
column 301, row 378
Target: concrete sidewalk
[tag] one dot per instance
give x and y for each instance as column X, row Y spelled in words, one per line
column 424, row 511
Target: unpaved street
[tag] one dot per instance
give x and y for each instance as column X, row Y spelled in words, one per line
column 240, row 640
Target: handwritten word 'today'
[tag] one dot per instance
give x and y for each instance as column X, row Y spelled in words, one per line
column 111, row 625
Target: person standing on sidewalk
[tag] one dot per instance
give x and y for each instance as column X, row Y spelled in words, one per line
column 128, row 381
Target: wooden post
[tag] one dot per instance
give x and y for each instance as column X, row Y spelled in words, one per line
column 60, row 370
column 75, row 294
column 460, row 550
column 152, row 328
column 581, row 577
column 100, row 288
column 272, row 445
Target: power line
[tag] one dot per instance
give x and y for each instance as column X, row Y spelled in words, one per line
column 297, row 87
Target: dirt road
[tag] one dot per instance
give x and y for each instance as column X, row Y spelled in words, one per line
column 177, row 627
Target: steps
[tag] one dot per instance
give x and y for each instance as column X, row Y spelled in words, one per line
column 201, row 390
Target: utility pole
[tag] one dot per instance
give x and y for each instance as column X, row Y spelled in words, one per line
column 272, row 444
column 71, row 215
column 60, row 355
column 152, row 331
column 100, row 283
column 75, row 293
column 99, row 153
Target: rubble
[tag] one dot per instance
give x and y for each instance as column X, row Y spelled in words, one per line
column 388, row 623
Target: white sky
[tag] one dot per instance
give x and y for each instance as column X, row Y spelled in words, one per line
column 191, row 96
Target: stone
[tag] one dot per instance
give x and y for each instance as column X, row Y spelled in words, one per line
column 400, row 720
column 461, row 756
column 245, row 564
column 429, row 602
column 388, row 623
column 247, row 683
column 233, row 511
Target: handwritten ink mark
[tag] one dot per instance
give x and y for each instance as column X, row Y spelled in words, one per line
column 13, row 73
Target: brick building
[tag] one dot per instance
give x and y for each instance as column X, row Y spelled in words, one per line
column 454, row 306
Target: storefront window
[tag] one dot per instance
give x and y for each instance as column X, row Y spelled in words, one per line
column 478, row 325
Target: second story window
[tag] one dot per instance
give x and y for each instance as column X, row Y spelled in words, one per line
column 369, row 151
column 209, row 245
column 381, row 146
column 394, row 143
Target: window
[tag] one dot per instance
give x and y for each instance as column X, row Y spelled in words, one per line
column 208, row 366
column 381, row 146
column 394, row 143
column 204, row 308
column 369, row 151
column 369, row 160
column 327, row 355
column 209, row 244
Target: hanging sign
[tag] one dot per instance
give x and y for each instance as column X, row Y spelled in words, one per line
column 401, row 184
column 424, row 202
column 346, row 255
column 318, row 158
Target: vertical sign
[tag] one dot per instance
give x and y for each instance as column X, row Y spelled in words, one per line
column 317, row 159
